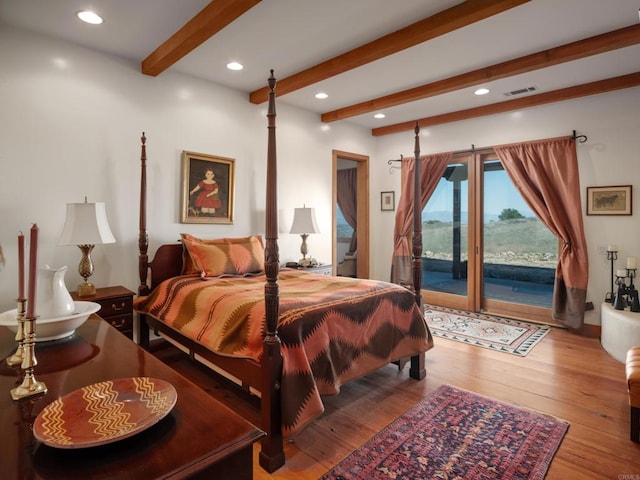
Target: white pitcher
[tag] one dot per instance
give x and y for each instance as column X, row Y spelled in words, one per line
column 53, row 300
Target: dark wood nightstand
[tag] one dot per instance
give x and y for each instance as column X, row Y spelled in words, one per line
column 321, row 269
column 116, row 306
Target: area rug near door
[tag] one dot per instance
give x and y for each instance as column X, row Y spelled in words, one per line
column 457, row 434
column 501, row 334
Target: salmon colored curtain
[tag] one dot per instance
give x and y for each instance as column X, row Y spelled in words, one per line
column 546, row 174
column 431, row 169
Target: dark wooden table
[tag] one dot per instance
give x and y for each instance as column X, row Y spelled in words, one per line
column 200, row 438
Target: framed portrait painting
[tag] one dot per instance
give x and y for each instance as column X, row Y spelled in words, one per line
column 614, row 200
column 207, row 188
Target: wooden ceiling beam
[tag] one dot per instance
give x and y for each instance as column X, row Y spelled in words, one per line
column 605, row 42
column 584, row 90
column 209, row 21
column 428, row 28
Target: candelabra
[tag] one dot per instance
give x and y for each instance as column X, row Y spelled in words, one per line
column 612, row 256
column 627, row 295
column 29, row 386
column 16, row 358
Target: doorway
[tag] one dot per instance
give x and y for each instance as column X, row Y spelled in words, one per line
column 485, row 250
column 345, row 160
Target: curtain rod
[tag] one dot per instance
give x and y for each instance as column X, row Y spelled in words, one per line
column 393, row 167
column 575, row 137
column 579, row 138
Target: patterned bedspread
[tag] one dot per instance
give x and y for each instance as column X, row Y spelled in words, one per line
column 332, row 329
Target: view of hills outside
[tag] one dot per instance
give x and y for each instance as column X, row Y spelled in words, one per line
column 523, row 241
column 513, row 235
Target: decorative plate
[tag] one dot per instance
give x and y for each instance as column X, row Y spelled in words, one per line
column 104, row 412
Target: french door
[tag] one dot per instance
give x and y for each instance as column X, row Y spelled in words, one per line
column 484, row 249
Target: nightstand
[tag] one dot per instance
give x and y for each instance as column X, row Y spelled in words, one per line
column 321, row 269
column 116, row 306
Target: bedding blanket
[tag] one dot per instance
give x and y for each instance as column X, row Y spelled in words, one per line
column 332, row 329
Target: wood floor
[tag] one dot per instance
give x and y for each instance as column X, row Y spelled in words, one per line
column 566, row 375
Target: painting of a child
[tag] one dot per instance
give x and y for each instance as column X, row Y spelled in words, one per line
column 207, row 188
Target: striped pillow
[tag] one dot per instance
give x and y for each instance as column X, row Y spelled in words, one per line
column 225, row 257
column 187, row 264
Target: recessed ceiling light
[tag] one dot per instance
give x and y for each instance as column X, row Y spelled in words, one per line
column 379, row 115
column 234, row 66
column 321, row 95
column 88, row 16
column 481, row 91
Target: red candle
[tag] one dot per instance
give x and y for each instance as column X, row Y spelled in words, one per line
column 21, row 266
column 33, row 260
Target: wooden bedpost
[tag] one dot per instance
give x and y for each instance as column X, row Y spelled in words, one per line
column 417, row 221
column 143, row 243
column 272, row 453
column 417, row 369
column 143, row 239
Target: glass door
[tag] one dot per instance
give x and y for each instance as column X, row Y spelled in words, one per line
column 519, row 254
column 484, row 249
column 445, row 237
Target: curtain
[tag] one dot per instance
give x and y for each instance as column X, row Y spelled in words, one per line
column 347, row 201
column 546, row 174
column 431, row 169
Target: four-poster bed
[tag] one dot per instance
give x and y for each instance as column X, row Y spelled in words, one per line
column 289, row 336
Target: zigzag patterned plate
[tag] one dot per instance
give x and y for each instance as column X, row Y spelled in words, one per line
column 104, row 412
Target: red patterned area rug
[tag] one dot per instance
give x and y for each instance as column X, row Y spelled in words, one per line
column 496, row 333
column 456, row 434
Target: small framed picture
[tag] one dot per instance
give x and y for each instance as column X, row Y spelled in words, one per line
column 614, row 200
column 387, row 201
column 207, row 188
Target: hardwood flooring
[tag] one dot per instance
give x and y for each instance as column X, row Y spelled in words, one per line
column 565, row 375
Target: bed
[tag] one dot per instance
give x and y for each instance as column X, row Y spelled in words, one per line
column 287, row 335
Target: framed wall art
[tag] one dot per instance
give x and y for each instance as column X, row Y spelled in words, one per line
column 615, row 200
column 387, row 201
column 207, row 188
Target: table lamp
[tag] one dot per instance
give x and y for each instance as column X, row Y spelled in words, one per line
column 85, row 226
column 304, row 223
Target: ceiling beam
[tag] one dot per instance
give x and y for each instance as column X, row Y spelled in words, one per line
column 605, row 42
column 584, row 90
column 211, row 19
column 428, row 28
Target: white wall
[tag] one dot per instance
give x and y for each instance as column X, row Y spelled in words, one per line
column 611, row 156
column 70, row 127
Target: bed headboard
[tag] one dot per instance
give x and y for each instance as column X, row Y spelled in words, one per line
column 166, row 263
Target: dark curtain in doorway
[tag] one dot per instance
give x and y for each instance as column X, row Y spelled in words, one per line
column 347, row 201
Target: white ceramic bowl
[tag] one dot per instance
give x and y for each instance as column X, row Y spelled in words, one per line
column 53, row 328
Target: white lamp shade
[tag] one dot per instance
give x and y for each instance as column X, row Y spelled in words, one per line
column 86, row 224
column 304, row 221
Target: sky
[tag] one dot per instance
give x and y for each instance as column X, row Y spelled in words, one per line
column 499, row 194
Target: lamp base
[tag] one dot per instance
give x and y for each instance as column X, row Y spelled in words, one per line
column 86, row 289
column 308, row 262
column 304, row 262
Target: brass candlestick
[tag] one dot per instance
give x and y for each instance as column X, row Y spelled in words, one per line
column 30, row 386
column 16, row 358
